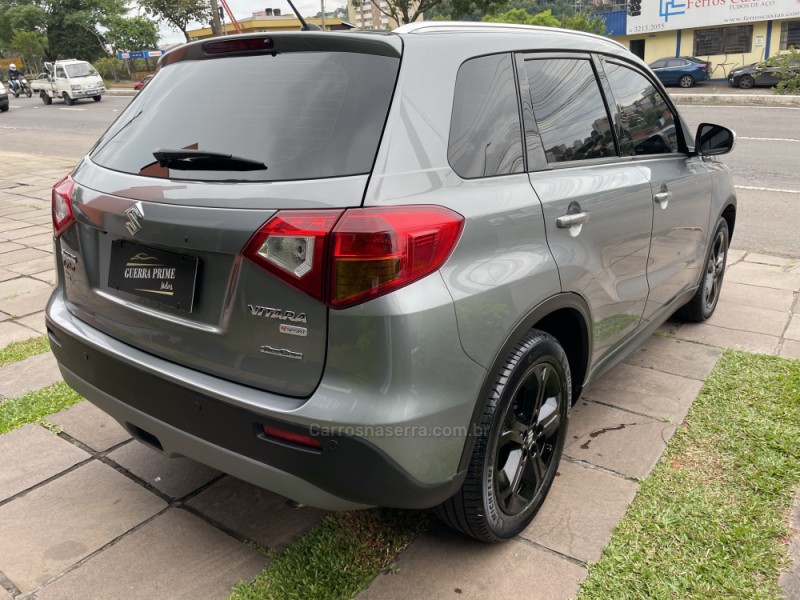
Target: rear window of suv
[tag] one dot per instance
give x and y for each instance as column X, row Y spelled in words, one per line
column 304, row 115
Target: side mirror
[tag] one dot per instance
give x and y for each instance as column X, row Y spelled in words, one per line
column 712, row 140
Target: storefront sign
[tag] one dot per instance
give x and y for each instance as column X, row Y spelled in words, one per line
column 648, row 16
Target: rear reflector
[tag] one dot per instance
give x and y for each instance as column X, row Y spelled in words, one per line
column 290, row 436
column 344, row 258
column 62, row 205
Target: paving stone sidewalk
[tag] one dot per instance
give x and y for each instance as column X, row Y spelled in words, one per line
column 90, row 513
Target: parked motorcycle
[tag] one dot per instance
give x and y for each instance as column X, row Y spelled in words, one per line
column 20, row 86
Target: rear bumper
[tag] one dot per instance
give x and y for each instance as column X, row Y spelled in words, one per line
column 166, row 410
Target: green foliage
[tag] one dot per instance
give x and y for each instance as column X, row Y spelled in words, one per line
column 790, row 77
column 17, row 351
column 590, row 24
column 109, row 67
column 547, row 19
column 132, row 33
column 711, row 520
column 336, row 559
column 73, row 27
column 178, row 13
column 32, row 46
column 27, row 17
column 35, row 406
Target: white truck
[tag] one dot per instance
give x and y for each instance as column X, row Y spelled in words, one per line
column 69, row 80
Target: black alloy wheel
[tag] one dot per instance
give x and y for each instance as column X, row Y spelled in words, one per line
column 703, row 303
column 518, row 444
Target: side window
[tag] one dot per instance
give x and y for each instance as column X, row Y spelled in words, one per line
column 676, row 63
column 485, row 133
column 646, row 123
column 659, row 64
column 60, row 72
column 569, row 109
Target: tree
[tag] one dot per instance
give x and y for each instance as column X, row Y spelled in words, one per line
column 32, row 46
column 408, row 11
column 73, row 27
column 787, row 68
column 546, row 19
column 132, row 33
column 580, row 22
column 517, row 15
column 178, row 13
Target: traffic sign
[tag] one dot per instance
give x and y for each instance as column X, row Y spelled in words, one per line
column 140, row 54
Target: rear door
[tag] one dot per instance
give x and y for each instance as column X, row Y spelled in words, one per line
column 598, row 209
column 650, row 132
column 202, row 158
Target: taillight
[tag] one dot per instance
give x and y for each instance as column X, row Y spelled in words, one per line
column 62, row 205
column 378, row 250
column 347, row 257
column 291, row 245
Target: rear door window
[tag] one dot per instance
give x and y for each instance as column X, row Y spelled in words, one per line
column 303, row 115
column 568, row 106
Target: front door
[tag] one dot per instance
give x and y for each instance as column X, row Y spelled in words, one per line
column 649, row 131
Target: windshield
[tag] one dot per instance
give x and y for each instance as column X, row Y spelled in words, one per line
column 304, row 115
column 80, row 70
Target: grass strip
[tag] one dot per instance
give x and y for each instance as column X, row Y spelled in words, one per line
column 337, row 558
column 33, row 407
column 17, row 351
column 710, row 521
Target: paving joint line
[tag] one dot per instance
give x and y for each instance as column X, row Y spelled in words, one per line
column 632, row 412
column 593, row 467
column 526, row 542
column 8, row 585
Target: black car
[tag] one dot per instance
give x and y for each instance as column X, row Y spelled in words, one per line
column 756, row 74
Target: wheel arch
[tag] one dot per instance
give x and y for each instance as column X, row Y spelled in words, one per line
column 729, row 214
column 567, row 318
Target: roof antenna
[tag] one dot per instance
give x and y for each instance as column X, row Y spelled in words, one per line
column 304, row 26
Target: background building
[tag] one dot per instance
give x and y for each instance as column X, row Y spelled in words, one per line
column 727, row 33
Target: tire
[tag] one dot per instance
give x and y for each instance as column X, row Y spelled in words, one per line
column 97, row 98
column 686, row 81
column 45, row 98
column 518, row 445
column 28, row 92
column 4, row 108
column 703, row 303
column 67, row 100
column 746, row 82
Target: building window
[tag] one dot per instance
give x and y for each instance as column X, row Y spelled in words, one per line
column 723, row 40
column 790, row 35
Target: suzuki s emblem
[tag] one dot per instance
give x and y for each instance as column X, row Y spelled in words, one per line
column 134, row 217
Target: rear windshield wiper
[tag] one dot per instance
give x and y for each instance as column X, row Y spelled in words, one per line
column 203, row 160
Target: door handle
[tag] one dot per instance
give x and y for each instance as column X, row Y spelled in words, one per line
column 663, row 198
column 567, row 221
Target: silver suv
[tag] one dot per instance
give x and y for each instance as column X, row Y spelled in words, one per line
column 377, row 269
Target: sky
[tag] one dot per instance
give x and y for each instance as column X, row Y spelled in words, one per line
column 245, row 8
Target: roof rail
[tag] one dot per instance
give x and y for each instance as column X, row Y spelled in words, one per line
column 451, row 26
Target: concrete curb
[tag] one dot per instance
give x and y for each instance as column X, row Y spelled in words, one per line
column 738, row 99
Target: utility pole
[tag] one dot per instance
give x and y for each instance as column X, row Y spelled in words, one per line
column 216, row 25
column 322, row 6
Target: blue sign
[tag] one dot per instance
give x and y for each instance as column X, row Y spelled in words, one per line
column 140, row 54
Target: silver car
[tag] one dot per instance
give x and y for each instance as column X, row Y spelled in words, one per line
column 378, row 268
